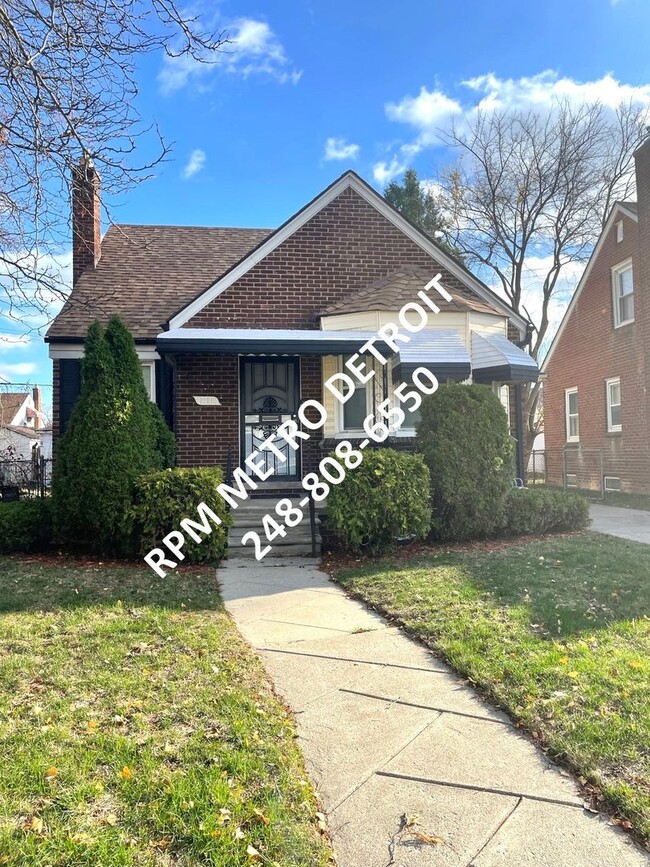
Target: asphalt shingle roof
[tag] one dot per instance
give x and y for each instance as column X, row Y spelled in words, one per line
column 396, row 289
column 10, row 403
column 147, row 273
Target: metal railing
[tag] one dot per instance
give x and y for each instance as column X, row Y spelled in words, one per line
column 25, row 479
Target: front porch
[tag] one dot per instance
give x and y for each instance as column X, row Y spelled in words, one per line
column 235, row 387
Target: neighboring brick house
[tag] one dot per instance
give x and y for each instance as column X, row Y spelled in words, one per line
column 597, row 393
column 235, row 327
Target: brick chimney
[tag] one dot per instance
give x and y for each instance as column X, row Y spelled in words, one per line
column 38, row 406
column 86, row 221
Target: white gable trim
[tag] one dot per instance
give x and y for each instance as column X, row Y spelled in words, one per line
column 348, row 180
column 76, row 350
column 618, row 209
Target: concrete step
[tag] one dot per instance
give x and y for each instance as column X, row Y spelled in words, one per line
column 235, row 537
column 248, row 553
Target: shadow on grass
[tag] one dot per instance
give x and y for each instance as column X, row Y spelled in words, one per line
column 566, row 585
column 54, row 583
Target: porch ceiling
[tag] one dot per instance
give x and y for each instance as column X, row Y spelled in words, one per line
column 266, row 341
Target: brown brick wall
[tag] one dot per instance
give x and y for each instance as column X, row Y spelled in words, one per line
column 346, row 246
column 343, row 248
column 590, row 351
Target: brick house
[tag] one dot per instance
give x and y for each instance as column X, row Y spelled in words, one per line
column 235, row 327
column 597, row 393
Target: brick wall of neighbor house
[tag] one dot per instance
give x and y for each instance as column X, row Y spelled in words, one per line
column 343, row 248
column 590, row 351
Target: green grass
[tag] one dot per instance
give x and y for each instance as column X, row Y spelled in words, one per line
column 137, row 728
column 557, row 632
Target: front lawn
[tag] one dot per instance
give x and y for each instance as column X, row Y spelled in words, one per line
column 137, row 728
column 557, row 632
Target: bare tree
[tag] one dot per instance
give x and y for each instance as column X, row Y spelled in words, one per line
column 68, row 87
column 538, row 184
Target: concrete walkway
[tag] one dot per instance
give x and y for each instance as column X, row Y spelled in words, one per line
column 413, row 769
column 631, row 524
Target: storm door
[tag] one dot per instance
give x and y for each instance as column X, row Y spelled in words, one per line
column 270, row 394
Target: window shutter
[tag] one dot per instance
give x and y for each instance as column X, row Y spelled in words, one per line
column 69, row 389
column 165, row 391
column 330, row 367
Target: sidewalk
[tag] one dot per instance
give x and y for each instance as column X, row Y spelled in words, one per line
column 631, row 524
column 412, row 767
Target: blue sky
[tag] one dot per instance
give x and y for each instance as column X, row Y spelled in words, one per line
column 375, row 80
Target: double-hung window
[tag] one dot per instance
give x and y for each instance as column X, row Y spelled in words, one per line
column 572, row 415
column 614, row 409
column 623, row 294
column 355, row 409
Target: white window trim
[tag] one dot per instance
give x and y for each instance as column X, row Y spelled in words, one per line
column 617, row 270
column 619, row 231
column 340, row 406
column 613, row 428
column 567, row 392
column 151, row 365
column 613, row 478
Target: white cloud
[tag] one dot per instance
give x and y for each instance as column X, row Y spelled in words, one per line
column 195, row 163
column 384, row 172
column 340, row 149
column 431, row 112
column 253, row 49
column 427, row 111
column 24, row 369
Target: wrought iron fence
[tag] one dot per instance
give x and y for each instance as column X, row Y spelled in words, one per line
column 23, row 479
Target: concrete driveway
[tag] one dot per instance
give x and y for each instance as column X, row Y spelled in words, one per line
column 413, row 769
column 627, row 523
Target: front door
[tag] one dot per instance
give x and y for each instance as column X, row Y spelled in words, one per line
column 270, row 394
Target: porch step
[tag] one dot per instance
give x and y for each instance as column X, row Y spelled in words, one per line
column 248, row 516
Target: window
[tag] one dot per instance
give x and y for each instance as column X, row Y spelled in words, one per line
column 614, row 413
column 623, row 289
column 572, row 415
column 355, row 408
column 149, row 377
column 619, row 231
column 504, row 396
column 612, row 483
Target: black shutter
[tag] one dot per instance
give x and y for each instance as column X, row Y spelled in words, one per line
column 69, row 389
column 165, row 391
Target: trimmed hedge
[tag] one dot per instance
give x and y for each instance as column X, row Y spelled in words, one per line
column 464, row 438
column 534, row 511
column 386, row 497
column 164, row 498
column 25, row 526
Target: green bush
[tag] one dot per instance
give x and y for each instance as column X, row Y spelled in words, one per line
column 384, row 498
column 115, row 435
column 164, row 498
column 464, row 438
column 534, row 511
column 25, row 526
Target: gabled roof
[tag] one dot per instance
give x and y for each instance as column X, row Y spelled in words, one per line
column 403, row 285
column 347, row 180
column 157, row 270
column 10, row 403
column 630, row 210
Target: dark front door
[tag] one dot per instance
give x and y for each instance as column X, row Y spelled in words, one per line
column 270, row 394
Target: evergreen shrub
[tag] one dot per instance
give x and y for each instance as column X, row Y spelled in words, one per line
column 386, row 497
column 164, row 498
column 464, row 439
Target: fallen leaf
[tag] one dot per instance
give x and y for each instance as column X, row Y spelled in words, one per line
column 239, row 834
column 252, row 853
column 51, row 773
column 429, row 839
column 126, row 773
column 260, row 815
